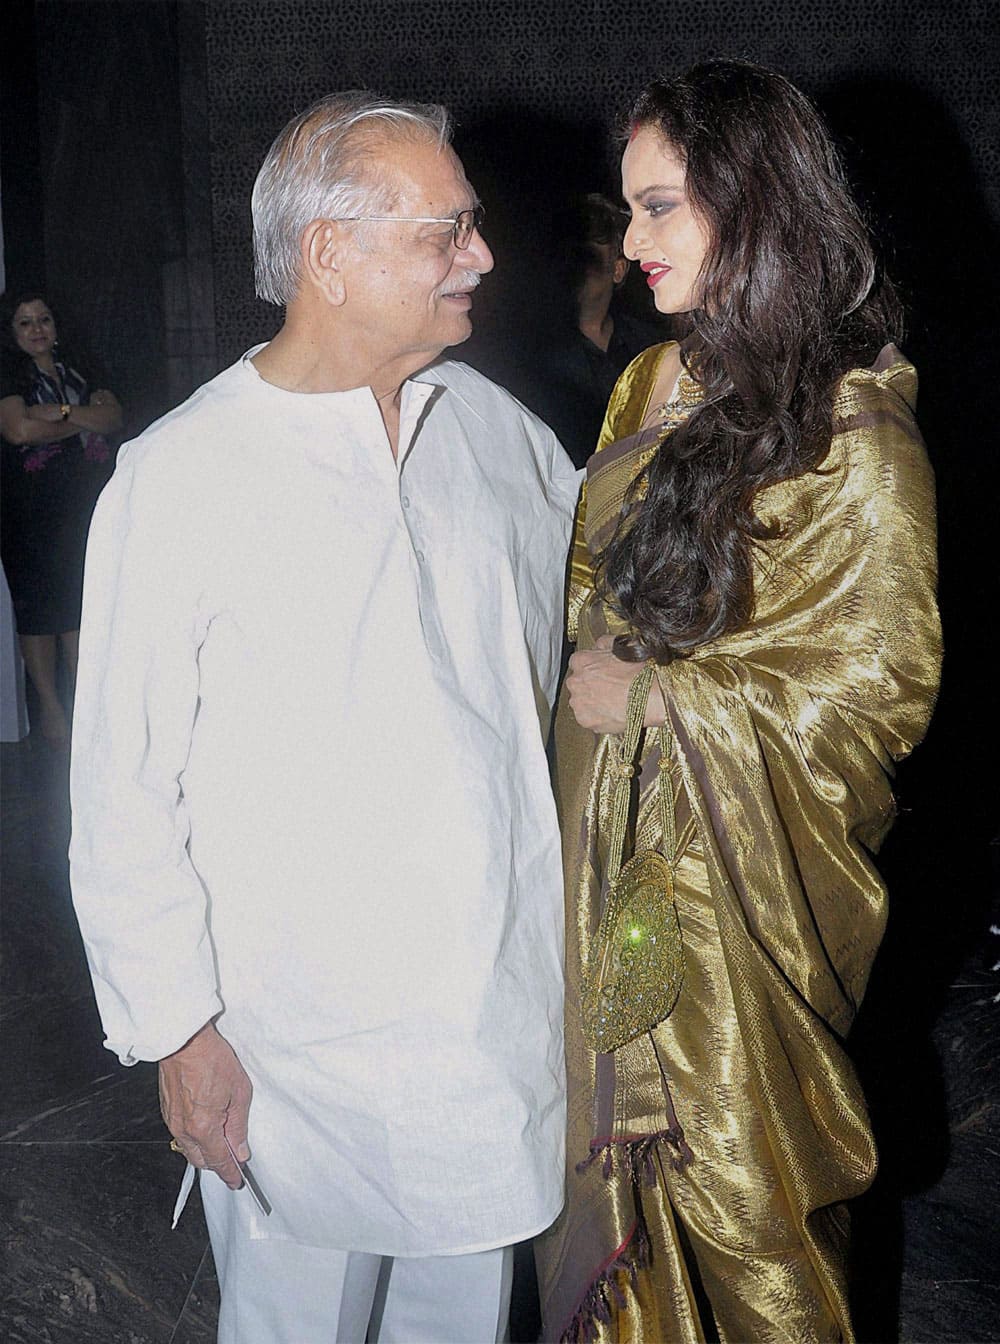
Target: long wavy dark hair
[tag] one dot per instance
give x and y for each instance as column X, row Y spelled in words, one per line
column 789, row 300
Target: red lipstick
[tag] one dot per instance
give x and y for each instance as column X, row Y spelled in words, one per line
column 654, row 271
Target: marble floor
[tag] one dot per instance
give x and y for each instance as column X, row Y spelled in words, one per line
column 87, row 1180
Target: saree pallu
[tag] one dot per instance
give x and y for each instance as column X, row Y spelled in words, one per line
column 710, row 1160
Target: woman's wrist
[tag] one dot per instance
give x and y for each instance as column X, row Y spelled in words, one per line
column 45, row 410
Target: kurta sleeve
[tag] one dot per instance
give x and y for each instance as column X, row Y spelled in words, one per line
column 141, row 906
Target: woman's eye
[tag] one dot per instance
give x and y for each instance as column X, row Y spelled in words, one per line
column 656, row 208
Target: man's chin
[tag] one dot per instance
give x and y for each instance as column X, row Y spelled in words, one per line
column 460, row 328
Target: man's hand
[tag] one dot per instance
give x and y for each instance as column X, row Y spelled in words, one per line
column 205, row 1099
column 598, row 684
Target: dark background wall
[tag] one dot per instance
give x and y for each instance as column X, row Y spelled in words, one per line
column 535, row 88
column 106, row 202
column 131, row 133
column 132, row 129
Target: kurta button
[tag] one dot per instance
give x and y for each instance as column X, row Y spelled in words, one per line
column 406, row 501
column 420, row 557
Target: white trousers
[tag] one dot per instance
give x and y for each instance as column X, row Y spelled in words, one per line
column 278, row 1292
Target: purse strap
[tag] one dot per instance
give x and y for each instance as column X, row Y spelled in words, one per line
column 628, row 743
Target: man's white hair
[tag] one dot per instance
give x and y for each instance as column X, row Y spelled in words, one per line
column 325, row 164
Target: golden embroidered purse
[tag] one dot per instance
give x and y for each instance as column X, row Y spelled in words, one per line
column 636, row 964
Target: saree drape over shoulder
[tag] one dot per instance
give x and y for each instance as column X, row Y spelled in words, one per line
column 709, row 1161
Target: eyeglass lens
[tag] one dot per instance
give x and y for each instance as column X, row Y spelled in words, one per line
column 466, row 223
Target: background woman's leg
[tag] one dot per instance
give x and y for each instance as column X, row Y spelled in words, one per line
column 39, row 654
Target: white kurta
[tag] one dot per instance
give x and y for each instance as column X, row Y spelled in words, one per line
column 310, row 792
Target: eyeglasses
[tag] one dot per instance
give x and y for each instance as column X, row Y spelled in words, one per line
column 463, row 226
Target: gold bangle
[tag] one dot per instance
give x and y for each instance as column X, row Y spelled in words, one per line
column 64, row 411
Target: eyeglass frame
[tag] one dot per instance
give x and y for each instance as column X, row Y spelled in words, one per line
column 478, row 213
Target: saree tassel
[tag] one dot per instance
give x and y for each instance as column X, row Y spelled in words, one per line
column 602, row 1311
column 595, row 1152
column 679, row 1153
column 640, row 1160
column 605, row 1151
column 595, row 1308
column 639, row 1154
column 618, row 1293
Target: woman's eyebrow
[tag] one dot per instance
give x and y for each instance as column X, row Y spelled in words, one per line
column 650, row 191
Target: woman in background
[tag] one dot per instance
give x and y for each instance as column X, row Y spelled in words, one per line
column 758, row 521
column 55, row 463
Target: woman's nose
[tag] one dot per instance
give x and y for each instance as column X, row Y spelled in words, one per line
column 631, row 240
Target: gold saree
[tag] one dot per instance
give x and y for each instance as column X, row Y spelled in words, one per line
column 710, row 1160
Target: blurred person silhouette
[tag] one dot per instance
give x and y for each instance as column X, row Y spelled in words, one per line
column 55, row 462
column 592, row 335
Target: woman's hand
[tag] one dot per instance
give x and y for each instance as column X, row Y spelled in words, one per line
column 23, row 425
column 598, row 684
column 102, row 414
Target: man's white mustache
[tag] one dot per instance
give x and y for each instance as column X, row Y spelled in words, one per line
column 472, row 279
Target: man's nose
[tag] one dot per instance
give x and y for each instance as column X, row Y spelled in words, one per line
column 477, row 256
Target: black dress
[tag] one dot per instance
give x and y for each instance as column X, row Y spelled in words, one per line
column 572, row 379
column 48, row 495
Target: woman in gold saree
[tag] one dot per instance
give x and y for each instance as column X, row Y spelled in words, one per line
column 758, row 521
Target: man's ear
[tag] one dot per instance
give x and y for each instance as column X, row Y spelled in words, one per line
column 322, row 250
column 620, row 271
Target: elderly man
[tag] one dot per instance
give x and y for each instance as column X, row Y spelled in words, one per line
column 314, row 855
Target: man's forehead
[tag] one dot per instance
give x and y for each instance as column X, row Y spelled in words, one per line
column 424, row 170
